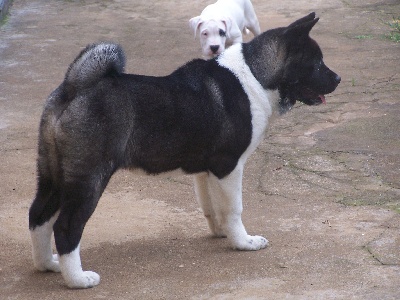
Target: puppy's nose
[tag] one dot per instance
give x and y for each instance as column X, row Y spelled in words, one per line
column 214, row 48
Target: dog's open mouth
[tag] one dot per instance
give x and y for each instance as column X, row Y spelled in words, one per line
column 310, row 97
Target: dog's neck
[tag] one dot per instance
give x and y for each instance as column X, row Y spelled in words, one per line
column 265, row 58
column 234, row 60
column 262, row 101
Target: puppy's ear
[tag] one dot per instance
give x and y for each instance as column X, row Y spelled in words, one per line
column 194, row 23
column 228, row 25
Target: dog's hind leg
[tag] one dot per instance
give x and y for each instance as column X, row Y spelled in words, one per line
column 80, row 198
column 42, row 253
column 226, row 196
column 204, row 200
column 42, row 215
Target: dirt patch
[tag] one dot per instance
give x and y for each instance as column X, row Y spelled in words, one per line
column 323, row 187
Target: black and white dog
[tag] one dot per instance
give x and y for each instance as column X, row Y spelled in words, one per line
column 206, row 118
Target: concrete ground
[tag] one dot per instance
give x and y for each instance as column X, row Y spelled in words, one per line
column 323, row 187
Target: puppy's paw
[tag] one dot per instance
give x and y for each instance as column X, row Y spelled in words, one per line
column 251, row 243
column 83, row 280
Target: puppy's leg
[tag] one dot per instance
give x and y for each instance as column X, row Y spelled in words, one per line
column 204, row 200
column 42, row 215
column 254, row 27
column 251, row 19
column 235, row 35
column 237, row 40
column 226, row 196
column 79, row 201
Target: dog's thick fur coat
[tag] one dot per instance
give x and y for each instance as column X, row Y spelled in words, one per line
column 205, row 118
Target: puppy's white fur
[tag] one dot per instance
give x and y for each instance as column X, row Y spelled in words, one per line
column 233, row 17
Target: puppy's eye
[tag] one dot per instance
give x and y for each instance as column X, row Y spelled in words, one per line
column 204, row 33
column 222, row 33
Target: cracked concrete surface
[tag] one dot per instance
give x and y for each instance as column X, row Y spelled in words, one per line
column 323, row 187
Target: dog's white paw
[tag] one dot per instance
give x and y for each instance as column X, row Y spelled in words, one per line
column 251, row 243
column 52, row 265
column 219, row 234
column 83, row 280
column 215, row 228
column 74, row 276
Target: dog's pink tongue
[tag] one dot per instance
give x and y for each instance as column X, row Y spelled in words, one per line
column 322, row 97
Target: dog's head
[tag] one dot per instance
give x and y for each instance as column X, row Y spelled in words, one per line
column 213, row 34
column 289, row 60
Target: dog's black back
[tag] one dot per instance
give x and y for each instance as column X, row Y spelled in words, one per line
column 178, row 119
column 155, row 124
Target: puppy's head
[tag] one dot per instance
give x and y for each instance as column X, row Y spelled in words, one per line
column 289, row 60
column 213, row 34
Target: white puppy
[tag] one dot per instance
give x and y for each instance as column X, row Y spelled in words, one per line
column 221, row 25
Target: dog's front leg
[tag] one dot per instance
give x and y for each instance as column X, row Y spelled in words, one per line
column 226, row 197
column 71, row 270
column 204, row 200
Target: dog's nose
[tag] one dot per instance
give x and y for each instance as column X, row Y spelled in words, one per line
column 338, row 78
column 214, row 48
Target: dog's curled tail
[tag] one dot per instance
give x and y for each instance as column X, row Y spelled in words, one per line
column 93, row 63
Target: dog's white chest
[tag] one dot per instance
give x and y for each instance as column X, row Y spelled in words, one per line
column 260, row 105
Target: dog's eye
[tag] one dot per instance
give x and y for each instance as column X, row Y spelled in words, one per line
column 204, row 33
column 222, row 33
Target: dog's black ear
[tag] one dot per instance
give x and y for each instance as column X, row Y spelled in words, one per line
column 301, row 27
column 305, row 19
